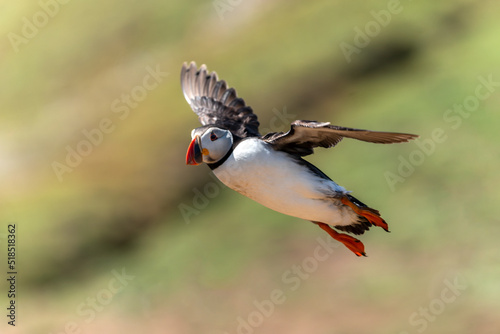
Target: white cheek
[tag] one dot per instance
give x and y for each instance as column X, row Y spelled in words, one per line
column 217, row 150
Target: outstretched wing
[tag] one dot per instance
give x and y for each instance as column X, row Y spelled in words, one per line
column 304, row 136
column 216, row 104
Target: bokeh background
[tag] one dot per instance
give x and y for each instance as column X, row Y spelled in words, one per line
column 195, row 257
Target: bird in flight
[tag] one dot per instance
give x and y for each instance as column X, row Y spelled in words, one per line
column 270, row 169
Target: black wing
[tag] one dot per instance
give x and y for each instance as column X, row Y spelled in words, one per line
column 216, row 104
column 306, row 135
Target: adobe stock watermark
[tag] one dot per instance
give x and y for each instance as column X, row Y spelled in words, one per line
column 30, row 26
column 425, row 315
column 121, row 106
column 223, row 6
column 202, row 195
column 363, row 36
column 88, row 309
column 453, row 118
column 279, row 122
column 291, row 279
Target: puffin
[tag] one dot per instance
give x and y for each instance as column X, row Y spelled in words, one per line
column 270, row 169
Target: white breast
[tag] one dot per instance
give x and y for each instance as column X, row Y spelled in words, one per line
column 275, row 180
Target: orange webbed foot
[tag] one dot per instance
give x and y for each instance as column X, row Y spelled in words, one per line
column 353, row 244
column 372, row 215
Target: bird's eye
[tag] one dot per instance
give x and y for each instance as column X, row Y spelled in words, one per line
column 213, row 136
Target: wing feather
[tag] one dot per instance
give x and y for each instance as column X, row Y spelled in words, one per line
column 304, row 136
column 215, row 104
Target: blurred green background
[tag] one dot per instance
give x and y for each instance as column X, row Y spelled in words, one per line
column 195, row 257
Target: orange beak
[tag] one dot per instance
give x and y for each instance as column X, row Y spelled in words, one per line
column 193, row 155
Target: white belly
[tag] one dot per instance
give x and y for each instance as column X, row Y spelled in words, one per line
column 274, row 180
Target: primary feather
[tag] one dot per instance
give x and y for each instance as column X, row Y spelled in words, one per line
column 304, row 136
column 215, row 104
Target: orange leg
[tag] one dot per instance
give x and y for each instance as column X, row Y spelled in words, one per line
column 352, row 243
column 372, row 215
